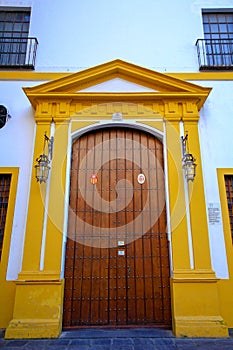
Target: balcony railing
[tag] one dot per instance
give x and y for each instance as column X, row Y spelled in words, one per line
column 215, row 54
column 17, row 53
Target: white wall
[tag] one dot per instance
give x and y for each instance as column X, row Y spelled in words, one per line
column 153, row 33
column 16, row 145
column 216, row 140
column 156, row 34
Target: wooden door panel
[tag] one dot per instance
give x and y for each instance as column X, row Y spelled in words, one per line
column 116, row 271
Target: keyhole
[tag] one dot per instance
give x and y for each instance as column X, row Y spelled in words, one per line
column 129, row 270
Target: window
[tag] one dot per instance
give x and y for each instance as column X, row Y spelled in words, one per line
column 216, row 49
column 218, row 33
column 16, row 48
column 229, row 193
column 5, row 181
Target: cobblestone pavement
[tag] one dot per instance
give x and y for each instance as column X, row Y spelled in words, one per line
column 118, row 339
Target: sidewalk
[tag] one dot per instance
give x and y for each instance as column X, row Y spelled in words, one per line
column 118, row 339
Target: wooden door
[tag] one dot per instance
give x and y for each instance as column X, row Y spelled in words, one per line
column 117, row 255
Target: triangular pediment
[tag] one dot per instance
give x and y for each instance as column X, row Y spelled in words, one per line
column 116, row 77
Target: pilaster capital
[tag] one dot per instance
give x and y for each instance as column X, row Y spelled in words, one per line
column 185, row 110
column 48, row 110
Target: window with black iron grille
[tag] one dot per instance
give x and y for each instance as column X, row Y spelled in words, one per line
column 229, row 193
column 16, row 48
column 216, row 49
column 5, row 181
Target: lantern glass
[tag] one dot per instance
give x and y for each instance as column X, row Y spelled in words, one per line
column 189, row 166
column 42, row 168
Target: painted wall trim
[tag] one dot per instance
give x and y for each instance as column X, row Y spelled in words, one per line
column 14, row 172
column 225, row 215
column 7, row 289
column 46, row 76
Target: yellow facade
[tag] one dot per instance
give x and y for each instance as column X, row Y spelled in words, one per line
column 200, row 302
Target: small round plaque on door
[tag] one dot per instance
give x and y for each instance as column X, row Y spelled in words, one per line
column 141, row 179
column 94, row 179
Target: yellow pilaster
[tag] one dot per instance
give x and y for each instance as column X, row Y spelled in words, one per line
column 195, row 299
column 200, row 239
column 179, row 235
column 34, row 229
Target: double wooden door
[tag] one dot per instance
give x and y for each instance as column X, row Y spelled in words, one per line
column 117, row 254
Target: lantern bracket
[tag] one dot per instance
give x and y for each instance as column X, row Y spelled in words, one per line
column 43, row 161
column 188, row 160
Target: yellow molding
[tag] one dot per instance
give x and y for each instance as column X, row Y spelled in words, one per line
column 200, row 326
column 104, row 97
column 34, row 76
column 121, row 69
column 114, row 95
column 32, row 276
column 50, row 76
column 195, row 275
column 208, row 76
column 39, row 282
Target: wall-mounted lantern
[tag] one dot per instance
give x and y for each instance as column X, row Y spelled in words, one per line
column 188, row 160
column 43, row 161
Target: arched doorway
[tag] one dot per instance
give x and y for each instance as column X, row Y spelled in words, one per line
column 117, row 256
